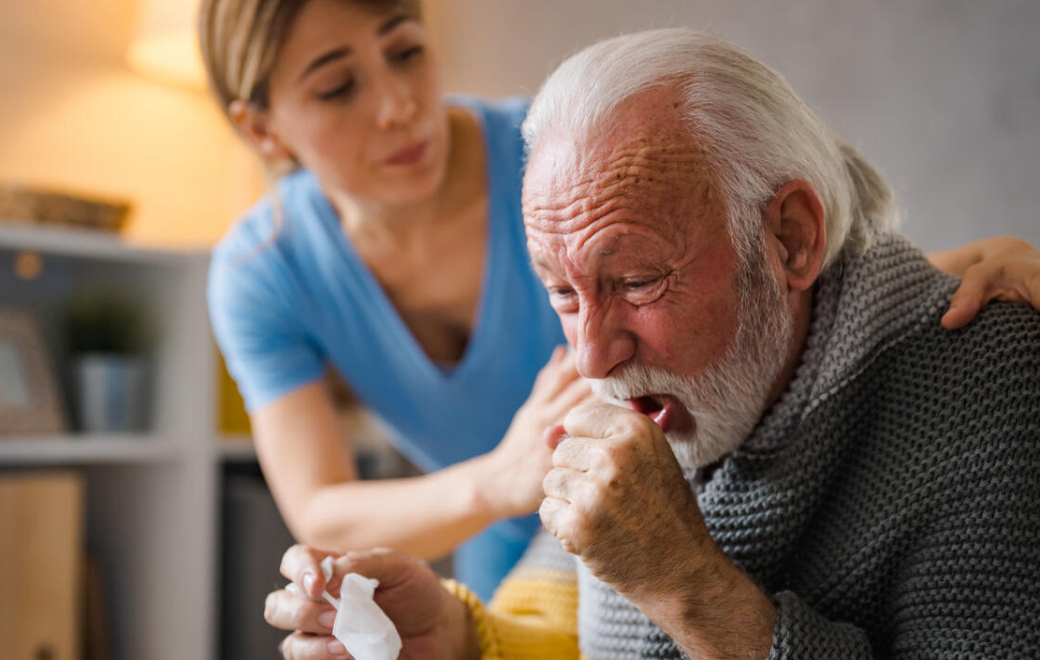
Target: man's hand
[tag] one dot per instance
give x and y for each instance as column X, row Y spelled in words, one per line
column 617, row 499
column 432, row 623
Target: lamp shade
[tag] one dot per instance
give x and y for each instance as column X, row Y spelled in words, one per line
column 164, row 46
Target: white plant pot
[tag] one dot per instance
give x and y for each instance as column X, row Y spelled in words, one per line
column 111, row 392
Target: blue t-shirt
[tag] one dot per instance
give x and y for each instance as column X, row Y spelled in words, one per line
column 286, row 300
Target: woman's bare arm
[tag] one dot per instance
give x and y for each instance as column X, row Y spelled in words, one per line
column 309, row 466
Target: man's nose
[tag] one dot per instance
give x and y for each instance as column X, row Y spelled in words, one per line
column 603, row 341
column 397, row 104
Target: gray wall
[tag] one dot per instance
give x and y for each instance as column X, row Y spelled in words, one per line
column 942, row 95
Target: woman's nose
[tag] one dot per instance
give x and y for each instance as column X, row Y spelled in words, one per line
column 397, row 104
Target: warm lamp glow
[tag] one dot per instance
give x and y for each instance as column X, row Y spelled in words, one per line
column 164, row 46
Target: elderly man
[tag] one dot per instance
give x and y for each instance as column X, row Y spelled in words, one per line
column 806, row 464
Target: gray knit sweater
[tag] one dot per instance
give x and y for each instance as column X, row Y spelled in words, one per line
column 889, row 503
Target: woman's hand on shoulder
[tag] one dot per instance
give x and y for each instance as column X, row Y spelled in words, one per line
column 1000, row 268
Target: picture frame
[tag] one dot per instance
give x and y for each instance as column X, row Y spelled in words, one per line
column 30, row 403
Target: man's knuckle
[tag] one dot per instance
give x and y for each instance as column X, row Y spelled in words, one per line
column 545, row 515
column 629, row 425
column 549, row 483
column 608, row 470
column 619, row 453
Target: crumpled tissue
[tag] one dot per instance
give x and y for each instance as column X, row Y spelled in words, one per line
column 361, row 626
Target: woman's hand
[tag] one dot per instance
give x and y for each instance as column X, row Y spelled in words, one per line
column 432, row 623
column 1000, row 268
column 514, row 470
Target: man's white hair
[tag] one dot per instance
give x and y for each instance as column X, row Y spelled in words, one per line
column 747, row 121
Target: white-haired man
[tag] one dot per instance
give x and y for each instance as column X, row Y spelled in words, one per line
column 805, row 464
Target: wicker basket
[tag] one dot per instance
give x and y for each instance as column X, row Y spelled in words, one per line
column 24, row 204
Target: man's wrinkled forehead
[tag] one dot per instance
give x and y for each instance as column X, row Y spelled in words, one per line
column 642, row 167
column 584, row 196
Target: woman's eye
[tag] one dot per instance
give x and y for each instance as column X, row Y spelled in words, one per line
column 409, row 53
column 338, row 91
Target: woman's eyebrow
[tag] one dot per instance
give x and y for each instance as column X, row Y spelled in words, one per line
column 393, row 22
column 344, row 51
column 331, row 56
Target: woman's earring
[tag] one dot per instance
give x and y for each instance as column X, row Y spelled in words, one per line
column 267, row 146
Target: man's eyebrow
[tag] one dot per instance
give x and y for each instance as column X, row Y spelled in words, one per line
column 331, row 56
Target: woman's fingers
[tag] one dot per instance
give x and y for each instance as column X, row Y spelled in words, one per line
column 1006, row 269
column 555, row 376
column 967, row 300
column 302, row 565
column 574, row 393
column 547, row 369
column 301, row 646
column 288, row 611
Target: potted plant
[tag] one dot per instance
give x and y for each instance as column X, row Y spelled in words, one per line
column 109, row 334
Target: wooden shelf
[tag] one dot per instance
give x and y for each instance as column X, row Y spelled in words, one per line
column 86, row 449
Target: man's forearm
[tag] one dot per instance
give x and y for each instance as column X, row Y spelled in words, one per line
column 716, row 612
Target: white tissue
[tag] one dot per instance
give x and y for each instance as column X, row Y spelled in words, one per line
column 364, row 629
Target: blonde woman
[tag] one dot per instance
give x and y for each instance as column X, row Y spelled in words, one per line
column 393, row 251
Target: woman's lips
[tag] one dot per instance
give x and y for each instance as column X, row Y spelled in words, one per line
column 665, row 410
column 410, row 155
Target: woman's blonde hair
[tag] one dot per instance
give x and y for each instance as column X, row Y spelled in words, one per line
column 241, row 40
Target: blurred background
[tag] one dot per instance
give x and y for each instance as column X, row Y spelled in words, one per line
column 118, row 173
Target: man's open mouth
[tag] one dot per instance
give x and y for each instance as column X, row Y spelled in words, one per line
column 658, row 407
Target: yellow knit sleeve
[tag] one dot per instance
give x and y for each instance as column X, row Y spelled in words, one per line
column 533, row 615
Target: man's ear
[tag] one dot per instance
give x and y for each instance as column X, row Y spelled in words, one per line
column 254, row 125
column 795, row 224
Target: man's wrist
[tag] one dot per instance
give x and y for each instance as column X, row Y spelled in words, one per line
column 713, row 609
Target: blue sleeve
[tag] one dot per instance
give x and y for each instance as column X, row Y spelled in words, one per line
column 265, row 344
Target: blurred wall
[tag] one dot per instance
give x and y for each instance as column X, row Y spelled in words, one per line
column 72, row 116
column 942, row 95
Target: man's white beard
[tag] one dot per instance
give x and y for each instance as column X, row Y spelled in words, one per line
column 728, row 398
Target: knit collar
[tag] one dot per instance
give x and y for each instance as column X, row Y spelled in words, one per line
column 860, row 305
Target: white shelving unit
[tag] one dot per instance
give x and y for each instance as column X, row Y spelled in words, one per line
column 126, row 449
column 152, row 498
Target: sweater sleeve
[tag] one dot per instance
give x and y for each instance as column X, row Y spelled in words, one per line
column 801, row 634
column 534, row 613
column 966, row 582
